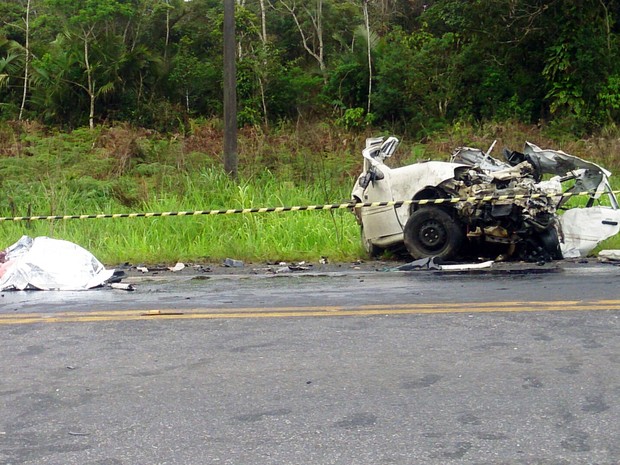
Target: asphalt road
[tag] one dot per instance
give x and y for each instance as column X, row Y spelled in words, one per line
column 361, row 367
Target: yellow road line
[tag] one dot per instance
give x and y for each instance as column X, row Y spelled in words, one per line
column 311, row 311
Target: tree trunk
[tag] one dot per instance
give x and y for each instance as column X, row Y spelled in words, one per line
column 367, row 22
column 607, row 25
column 263, row 99
column 90, row 82
column 27, row 64
column 263, row 21
column 317, row 24
column 261, row 80
column 167, row 30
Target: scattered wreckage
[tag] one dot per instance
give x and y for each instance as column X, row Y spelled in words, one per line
column 44, row 263
column 528, row 223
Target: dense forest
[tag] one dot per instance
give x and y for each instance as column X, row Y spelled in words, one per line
column 414, row 65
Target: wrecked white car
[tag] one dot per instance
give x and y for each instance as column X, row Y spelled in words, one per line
column 522, row 216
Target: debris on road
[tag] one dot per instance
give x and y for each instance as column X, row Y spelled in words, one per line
column 427, row 263
column 44, row 263
column 467, row 266
column 202, row 268
column 610, row 254
column 232, row 263
column 431, row 263
column 178, row 267
column 123, row 286
column 284, row 267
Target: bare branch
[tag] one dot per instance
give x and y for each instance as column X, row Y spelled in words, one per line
column 316, row 22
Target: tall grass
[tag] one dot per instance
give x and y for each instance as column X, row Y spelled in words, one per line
column 122, row 170
column 160, row 176
column 252, row 237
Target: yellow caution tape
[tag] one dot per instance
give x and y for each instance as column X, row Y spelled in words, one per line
column 338, row 206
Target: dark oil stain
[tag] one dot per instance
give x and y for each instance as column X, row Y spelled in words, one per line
column 248, row 348
column 38, row 402
column 591, row 344
column 24, row 329
column 613, row 358
column 469, row 419
column 492, row 436
column 571, row 369
column 258, row 416
column 357, row 420
column 34, row 448
column 460, row 449
column 577, row 442
column 542, row 337
column 531, row 382
column 424, row 382
column 595, row 404
column 566, row 417
column 32, row 350
column 106, row 462
column 493, row 345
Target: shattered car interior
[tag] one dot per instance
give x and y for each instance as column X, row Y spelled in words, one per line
column 512, row 209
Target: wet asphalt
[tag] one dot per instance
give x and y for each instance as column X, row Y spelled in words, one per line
column 519, row 364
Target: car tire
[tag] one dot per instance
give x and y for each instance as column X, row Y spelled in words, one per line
column 551, row 243
column 433, row 232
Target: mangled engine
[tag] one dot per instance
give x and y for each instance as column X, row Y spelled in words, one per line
column 517, row 220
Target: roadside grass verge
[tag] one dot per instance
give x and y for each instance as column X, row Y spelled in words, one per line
column 285, row 236
column 128, row 170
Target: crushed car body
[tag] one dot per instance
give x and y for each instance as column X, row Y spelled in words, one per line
column 525, row 219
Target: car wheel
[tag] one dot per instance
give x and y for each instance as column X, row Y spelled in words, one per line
column 371, row 249
column 433, row 232
column 551, row 243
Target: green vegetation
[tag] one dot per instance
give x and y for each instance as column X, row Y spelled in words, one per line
column 121, row 170
column 414, row 66
column 118, row 170
column 116, row 105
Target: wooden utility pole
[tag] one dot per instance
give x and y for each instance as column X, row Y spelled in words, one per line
column 230, row 90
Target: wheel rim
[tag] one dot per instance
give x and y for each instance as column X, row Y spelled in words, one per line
column 432, row 235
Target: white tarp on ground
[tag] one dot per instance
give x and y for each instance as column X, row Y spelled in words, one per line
column 50, row 264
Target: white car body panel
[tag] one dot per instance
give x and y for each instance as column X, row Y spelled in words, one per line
column 384, row 225
column 582, row 229
column 407, row 181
